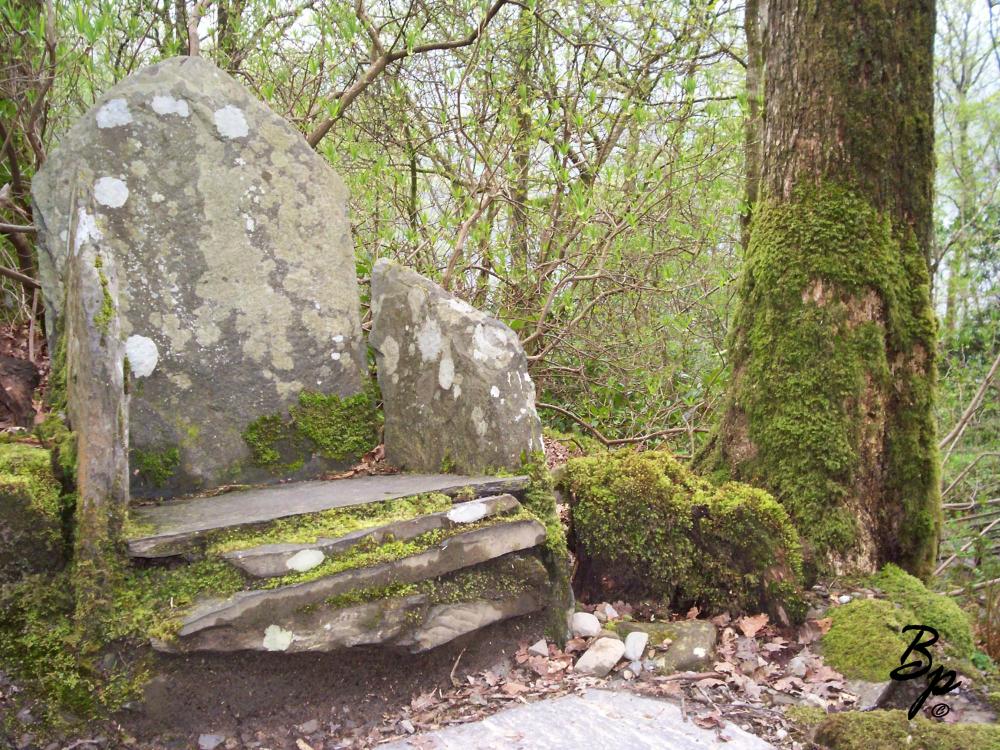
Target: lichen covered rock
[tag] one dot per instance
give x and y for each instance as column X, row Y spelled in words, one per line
column 646, row 525
column 237, row 291
column 455, row 384
column 30, row 512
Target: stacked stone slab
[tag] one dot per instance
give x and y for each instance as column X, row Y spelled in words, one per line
column 454, row 381
column 236, row 282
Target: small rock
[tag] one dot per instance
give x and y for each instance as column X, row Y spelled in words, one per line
column 781, row 733
column 210, row 741
column 600, row 658
column 869, row 693
column 844, row 598
column 797, row 666
column 24, row 716
column 407, row 726
column 635, row 645
column 601, row 617
column 584, row 625
column 605, row 633
column 541, row 648
column 636, row 666
column 309, row 727
column 628, row 674
column 816, row 701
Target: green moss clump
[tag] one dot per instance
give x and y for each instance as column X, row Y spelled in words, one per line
column 833, row 349
column 334, row 427
column 888, row 730
column 865, row 641
column 807, row 717
column 156, row 467
column 104, row 316
column 656, row 529
column 937, row 610
column 57, row 437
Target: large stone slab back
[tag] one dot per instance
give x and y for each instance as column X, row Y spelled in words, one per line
column 237, row 285
column 455, row 386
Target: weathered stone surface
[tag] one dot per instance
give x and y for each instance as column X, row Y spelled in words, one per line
column 635, row 645
column 692, row 646
column 269, row 560
column 416, row 622
column 596, row 720
column 584, row 625
column 236, row 279
column 174, row 527
column 600, row 658
column 255, row 611
column 455, row 384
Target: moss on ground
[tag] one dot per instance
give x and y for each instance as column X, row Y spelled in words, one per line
column 889, row 730
column 833, row 349
column 937, row 610
column 865, row 641
column 648, row 523
column 331, row 426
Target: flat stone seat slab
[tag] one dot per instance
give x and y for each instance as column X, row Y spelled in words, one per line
column 244, row 620
column 177, row 524
column 270, row 560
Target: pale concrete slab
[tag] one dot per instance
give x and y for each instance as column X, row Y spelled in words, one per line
column 175, row 525
column 596, row 720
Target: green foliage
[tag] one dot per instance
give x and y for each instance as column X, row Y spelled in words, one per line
column 29, row 469
column 937, row 610
column 835, row 322
column 648, row 523
column 864, row 730
column 865, row 641
column 155, row 467
column 331, row 426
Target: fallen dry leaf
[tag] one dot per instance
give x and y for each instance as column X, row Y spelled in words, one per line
column 749, row 626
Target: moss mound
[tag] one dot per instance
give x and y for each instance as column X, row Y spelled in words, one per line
column 864, row 641
column 939, row 611
column 654, row 528
column 888, row 730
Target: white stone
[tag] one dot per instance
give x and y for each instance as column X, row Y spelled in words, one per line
column 142, row 355
column 110, row 192
column 168, row 105
column 635, row 645
column 600, row 658
column 467, row 512
column 231, row 122
column 304, row 560
column 277, row 638
column 539, row 648
column 584, row 625
column 113, row 113
column 844, row 598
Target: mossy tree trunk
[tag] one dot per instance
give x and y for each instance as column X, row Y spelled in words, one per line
column 830, row 402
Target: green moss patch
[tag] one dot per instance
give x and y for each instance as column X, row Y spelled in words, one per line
column 865, row 639
column 653, row 527
column 885, row 730
column 937, row 610
column 156, row 467
column 334, row 427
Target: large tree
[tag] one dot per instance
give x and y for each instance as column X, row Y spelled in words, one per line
column 832, row 349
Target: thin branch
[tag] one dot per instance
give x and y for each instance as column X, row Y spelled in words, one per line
column 17, row 229
column 951, row 439
column 950, row 560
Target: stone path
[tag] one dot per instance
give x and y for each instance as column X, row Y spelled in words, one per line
column 176, row 524
column 596, row 720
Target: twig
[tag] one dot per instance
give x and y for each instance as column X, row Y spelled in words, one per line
column 685, row 676
column 952, row 438
column 27, row 281
column 451, row 676
column 194, row 43
column 611, row 442
column 967, row 469
column 31, row 326
column 977, row 587
column 966, row 546
column 17, row 228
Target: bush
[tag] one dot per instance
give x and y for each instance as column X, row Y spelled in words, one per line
column 649, row 526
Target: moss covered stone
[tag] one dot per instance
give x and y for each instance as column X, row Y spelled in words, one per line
column 334, row 427
column 156, row 467
column 937, row 610
column 832, row 394
column 887, row 730
column 865, row 641
column 647, row 523
column 32, row 512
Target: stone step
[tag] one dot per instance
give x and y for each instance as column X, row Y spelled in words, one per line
column 271, row 560
column 213, row 625
column 416, row 622
column 173, row 527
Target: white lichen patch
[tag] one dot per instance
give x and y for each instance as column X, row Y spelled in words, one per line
column 231, row 122
column 468, row 512
column 304, row 560
column 478, row 422
column 142, row 355
column 86, row 229
column 390, row 355
column 490, row 345
column 113, row 114
column 164, row 104
column 110, row 192
column 335, row 356
column 429, row 340
column 446, row 371
column 276, row 638
column 157, row 198
column 461, row 306
column 494, row 391
column 699, row 652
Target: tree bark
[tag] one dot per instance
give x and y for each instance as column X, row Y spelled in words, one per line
column 831, row 396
